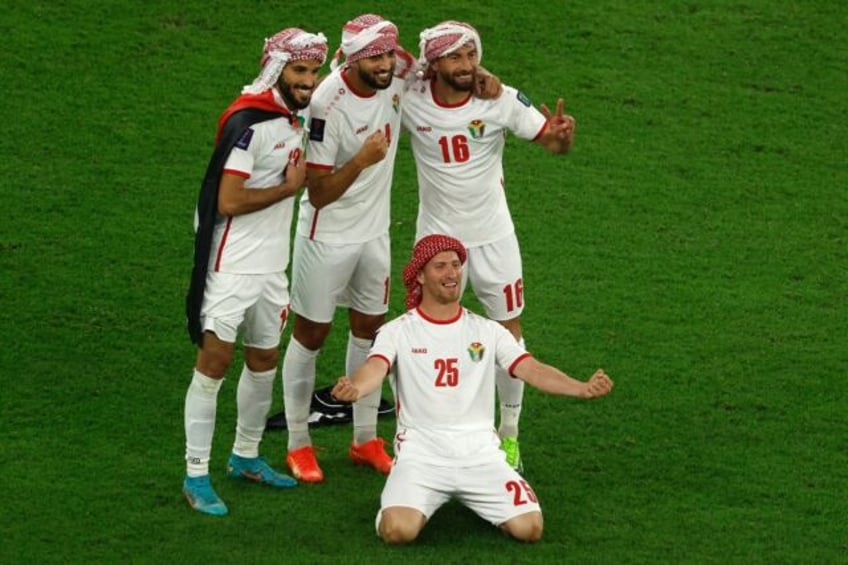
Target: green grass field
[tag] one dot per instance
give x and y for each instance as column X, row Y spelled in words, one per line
column 693, row 244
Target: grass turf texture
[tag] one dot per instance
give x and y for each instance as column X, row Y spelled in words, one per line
column 693, row 243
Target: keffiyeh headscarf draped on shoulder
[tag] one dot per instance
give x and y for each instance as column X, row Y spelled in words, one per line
column 365, row 36
column 445, row 38
column 291, row 44
column 427, row 248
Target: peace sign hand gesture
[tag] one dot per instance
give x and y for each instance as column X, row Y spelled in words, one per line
column 559, row 134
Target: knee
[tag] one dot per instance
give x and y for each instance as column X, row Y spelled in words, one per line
column 398, row 532
column 309, row 334
column 260, row 360
column 214, row 358
column 365, row 326
column 527, row 527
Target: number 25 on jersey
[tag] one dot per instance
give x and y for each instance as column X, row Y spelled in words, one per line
column 447, row 373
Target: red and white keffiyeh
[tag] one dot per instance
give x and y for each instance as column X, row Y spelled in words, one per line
column 445, row 38
column 365, row 36
column 291, row 44
column 427, row 248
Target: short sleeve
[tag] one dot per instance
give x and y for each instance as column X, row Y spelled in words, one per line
column 507, row 350
column 385, row 346
column 524, row 119
column 242, row 155
column 323, row 140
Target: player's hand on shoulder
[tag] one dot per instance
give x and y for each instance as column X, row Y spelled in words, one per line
column 486, row 85
column 345, row 391
column 599, row 384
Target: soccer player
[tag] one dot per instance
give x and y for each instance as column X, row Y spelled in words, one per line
column 441, row 362
column 238, row 283
column 341, row 252
column 458, row 142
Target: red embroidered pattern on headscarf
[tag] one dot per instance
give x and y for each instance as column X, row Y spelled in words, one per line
column 427, row 248
column 366, row 36
column 300, row 46
column 445, row 38
column 290, row 44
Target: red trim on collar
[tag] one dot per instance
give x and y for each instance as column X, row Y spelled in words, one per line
column 435, row 321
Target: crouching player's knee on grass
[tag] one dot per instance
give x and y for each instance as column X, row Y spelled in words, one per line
column 526, row 527
column 399, row 525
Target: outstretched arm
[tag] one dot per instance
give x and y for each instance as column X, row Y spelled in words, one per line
column 558, row 136
column 553, row 381
column 365, row 380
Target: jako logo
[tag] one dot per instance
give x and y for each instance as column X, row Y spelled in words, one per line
column 360, row 130
column 424, row 128
column 419, row 350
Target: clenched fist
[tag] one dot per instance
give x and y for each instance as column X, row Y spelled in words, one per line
column 345, row 390
column 598, row 384
column 373, row 150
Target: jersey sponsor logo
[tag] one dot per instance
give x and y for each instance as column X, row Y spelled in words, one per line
column 361, row 129
column 477, row 128
column 419, row 350
column 316, row 129
column 523, row 98
column 244, row 141
column 476, row 351
column 425, row 129
column 279, row 145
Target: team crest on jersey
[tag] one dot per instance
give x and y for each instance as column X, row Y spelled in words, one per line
column 476, row 350
column 477, row 128
column 244, row 141
column 395, row 103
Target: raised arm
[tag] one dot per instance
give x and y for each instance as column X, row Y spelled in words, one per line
column 553, row 381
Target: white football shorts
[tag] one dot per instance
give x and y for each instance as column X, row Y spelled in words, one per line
column 255, row 304
column 494, row 271
column 354, row 275
column 493, row 490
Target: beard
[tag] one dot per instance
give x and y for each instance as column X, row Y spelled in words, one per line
column 291, row 97
column 376, row 83
column 459, row 82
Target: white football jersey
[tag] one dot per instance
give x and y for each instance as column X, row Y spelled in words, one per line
column 258, row 242
column 458, row 154
column 442, row 373
column 341, row 120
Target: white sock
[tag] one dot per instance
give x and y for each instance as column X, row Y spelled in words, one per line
column 254, row 395
column 201, row 405
column 510, row 394
column 365, row 409
column 298, row 386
